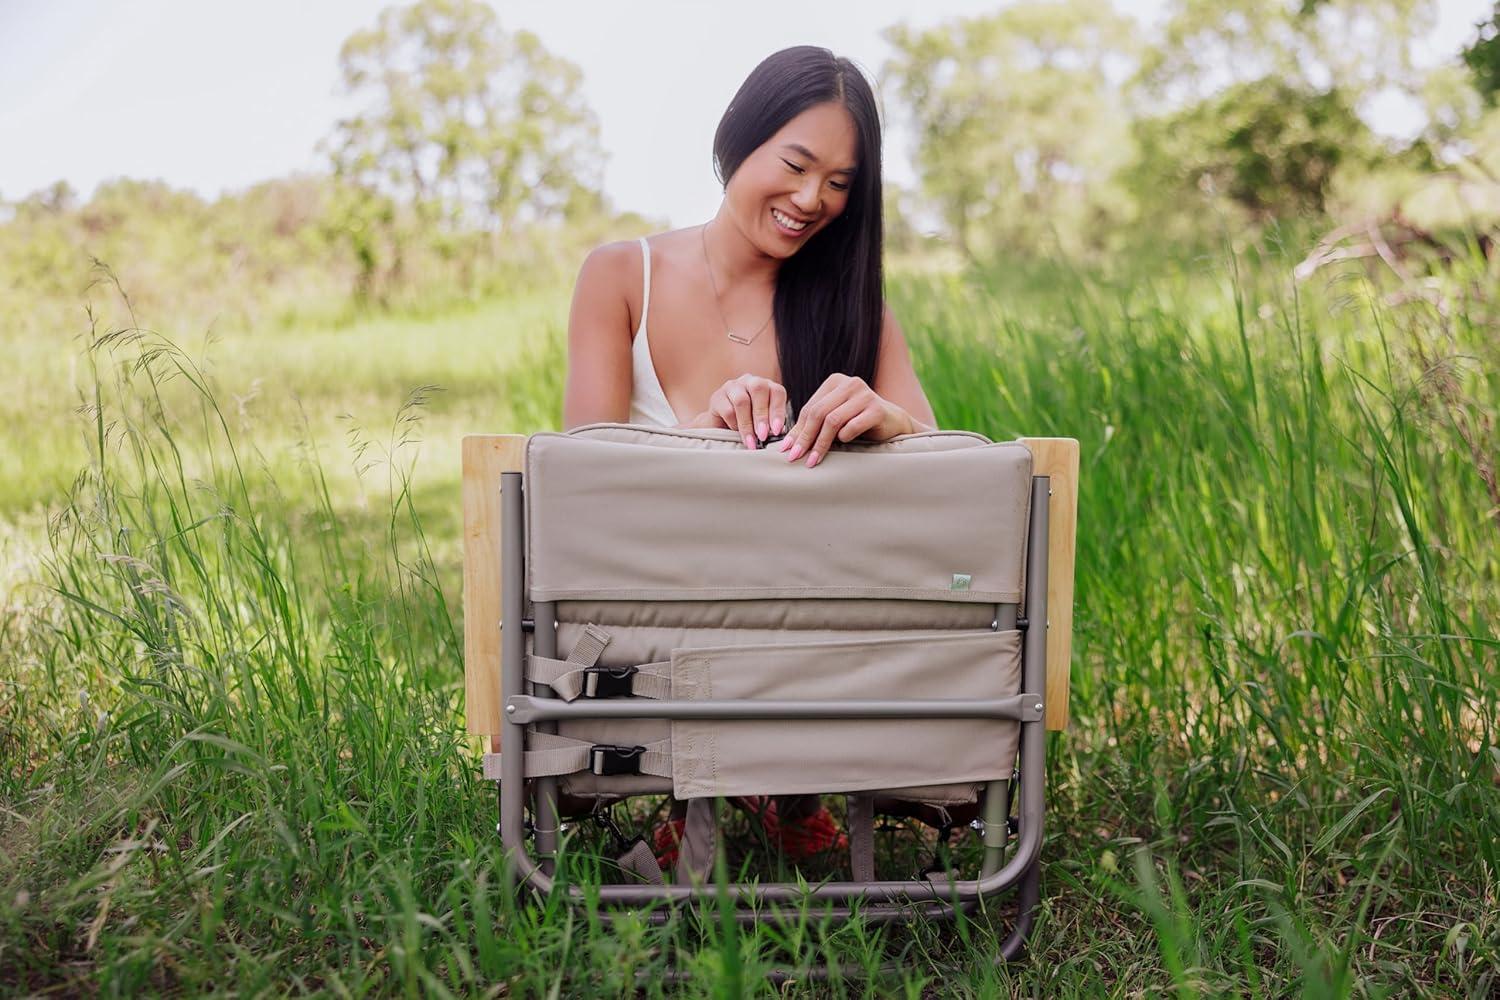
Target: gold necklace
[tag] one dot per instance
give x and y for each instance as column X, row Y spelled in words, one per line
column 727, row 332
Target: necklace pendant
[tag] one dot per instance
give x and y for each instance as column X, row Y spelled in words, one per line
column 736, row 337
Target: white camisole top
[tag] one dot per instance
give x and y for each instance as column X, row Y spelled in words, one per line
column 648, row 403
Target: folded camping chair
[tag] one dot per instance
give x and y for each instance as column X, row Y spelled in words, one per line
column 651, row 611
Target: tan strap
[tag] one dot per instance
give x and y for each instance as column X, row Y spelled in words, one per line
column 861, row 817
column 586, row 652
column 695, row 855
column 639, row 861
column 570, row 681
column 590, row 645
column 548, row 755
column 578, row 675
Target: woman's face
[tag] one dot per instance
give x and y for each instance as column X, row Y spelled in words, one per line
column 804, row 171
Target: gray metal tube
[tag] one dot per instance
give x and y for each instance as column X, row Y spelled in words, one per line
column 544, row 641
column 997, row 793
column 524, row 709
column 935, row 889
column 994, row 820
column 512, row 674
column 1028, row 895
column 1033, row 734
column 1034, row 656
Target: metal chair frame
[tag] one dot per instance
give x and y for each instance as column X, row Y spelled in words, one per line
column 938, row 896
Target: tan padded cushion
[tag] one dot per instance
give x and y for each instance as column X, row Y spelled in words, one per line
column 633, row 513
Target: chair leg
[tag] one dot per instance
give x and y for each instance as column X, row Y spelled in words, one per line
column 1028, row 896
column 860, row 810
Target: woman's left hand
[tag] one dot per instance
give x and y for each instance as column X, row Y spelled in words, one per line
column 844, row 407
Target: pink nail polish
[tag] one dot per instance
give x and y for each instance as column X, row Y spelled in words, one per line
column 796, row 450
column 812, row 459
column 749, row 442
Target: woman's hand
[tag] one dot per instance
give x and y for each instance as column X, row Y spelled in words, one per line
column 846, row 408
column 750, row 404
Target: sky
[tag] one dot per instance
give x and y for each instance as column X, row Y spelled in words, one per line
column 215, row 96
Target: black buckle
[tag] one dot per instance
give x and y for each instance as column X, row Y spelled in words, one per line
column 607, row 682
column 609, row 758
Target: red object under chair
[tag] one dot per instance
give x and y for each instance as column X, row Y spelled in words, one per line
column 799, row 837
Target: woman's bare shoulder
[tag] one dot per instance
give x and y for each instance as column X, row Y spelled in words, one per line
column 622, row 265
column 609, row 270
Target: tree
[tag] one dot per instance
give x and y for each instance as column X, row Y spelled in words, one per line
column 1271, row 148
column 477, row 131
column 1019, row 122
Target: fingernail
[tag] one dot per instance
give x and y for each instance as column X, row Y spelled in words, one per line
column 749, row 442
column 786, row 443
column 796, row 450
column 776, row 425
column 760, row 429
column 812, row 459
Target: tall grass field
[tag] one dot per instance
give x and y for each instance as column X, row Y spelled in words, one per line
column 232, row 749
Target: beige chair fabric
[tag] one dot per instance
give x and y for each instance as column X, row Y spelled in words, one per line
column 874, row 575
column 783, row 757
column 617, row 512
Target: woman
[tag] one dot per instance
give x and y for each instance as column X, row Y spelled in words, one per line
column 770, row 317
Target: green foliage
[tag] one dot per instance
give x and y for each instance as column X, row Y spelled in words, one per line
column 251, row 257
column 1271, row 149
column 306, row 248
column 469, row 172
column 1020, row 127
column 231, row 744
column 1057, row 129
column 1482, row 57
column 466, row 134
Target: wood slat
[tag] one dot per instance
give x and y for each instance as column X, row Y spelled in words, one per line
column 1057, row 458
column 485, row 456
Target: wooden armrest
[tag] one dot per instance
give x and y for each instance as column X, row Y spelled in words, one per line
column 1057, row 458
column 485, row 456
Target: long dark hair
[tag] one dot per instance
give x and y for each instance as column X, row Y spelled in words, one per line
column 829, row 294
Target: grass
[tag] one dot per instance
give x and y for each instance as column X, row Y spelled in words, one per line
column 231, row 747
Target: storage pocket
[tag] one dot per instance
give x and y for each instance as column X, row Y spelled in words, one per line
column 785, row 757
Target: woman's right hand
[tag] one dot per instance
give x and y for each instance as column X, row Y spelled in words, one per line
column 753, row 405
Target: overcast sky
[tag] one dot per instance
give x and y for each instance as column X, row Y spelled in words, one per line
column 212, row 95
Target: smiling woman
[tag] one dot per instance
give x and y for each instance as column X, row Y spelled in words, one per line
column 774, row 308
column 770, row 318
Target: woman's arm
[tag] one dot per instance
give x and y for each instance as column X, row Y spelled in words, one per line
column 895, row 380
column 599, row 371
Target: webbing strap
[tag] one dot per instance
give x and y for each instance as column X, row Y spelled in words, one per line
column 639, row 860
column 695, row 855
column 548, row 755
column 570, row 681
column 861, row 815
column 578, row 676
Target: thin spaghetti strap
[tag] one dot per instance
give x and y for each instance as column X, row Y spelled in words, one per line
column 646, row 294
